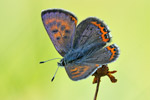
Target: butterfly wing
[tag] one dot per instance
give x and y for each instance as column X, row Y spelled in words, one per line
column 103, row 56
column 60, row 26
column 91, row 30
column 94, row 31
column 87, row 65
column 78, row 71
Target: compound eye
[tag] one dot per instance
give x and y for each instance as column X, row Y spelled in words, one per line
column 63, row 63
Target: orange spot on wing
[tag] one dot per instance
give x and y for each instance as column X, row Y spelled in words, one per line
column 65, row 23
column 57, row 35
column 74, row 69
column 76, row 76
column 74, row 19
column 60, row 33
column 85, row 68
column 47, row 21
column 97, row 65
column 103, row 32
column 53, row 27
column 75, row 73
column 112, row 51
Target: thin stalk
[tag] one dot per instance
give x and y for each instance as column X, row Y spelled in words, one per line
column 97, row 88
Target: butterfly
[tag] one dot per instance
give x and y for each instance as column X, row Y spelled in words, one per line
column 83, row 47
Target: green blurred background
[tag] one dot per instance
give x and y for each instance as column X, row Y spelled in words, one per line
column 24, row 42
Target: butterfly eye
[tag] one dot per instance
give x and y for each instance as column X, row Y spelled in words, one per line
column 63, row 63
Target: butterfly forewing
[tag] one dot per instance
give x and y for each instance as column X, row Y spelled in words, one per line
column 60, row 26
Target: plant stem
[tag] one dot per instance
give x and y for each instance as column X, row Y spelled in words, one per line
column 97, row 88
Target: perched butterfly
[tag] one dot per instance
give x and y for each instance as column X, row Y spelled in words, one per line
column 83, row 47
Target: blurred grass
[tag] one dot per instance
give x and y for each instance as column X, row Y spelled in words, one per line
column 24, row 42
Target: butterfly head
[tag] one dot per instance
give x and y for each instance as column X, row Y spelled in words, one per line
column 62, row 63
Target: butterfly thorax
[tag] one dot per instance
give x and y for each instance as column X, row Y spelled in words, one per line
column 73, row 55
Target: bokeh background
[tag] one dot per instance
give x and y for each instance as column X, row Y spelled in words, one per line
column 24, row 43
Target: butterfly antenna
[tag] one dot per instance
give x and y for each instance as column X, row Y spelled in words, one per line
column 54, row 74
column 48, row 60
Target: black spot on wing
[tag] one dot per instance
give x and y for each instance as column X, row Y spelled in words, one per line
column 104, row 30
column 58, row 38
column 67, row 31
column 55, row 31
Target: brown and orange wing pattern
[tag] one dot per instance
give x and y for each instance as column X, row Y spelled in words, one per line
column 80, row 71
column 91, row 30
column 60, row 26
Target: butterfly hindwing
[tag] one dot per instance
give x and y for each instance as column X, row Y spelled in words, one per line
column 91, row 30
column 78, row 71
column 103, row 56
column 60, row 26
